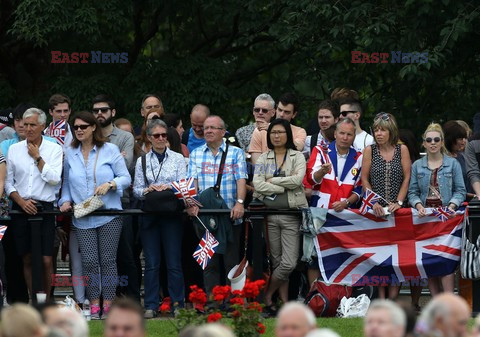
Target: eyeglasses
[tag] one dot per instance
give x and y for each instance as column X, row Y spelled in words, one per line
column 263, row 110
column 158, row 135
column 98, row 110
column 212, row 128
column 148, row 107
column 277, row 133
column 81, row 126
column 383, row 116
column 435, row 140
column 346, row 112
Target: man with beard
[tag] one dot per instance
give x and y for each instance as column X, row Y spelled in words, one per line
column 104, row 111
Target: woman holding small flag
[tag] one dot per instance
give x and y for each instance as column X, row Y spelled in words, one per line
column 386, row 172
column 437, row 181
column 162, row 167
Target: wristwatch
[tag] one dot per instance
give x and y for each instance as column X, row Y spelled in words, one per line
column 400, row 203
column 37, row 161
column 347, row 202
column 110, row 184
column 240, row 201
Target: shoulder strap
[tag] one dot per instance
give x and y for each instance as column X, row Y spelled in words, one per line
column 220, row 170
column 185, row 136
column 313, row 141
column 144, row 169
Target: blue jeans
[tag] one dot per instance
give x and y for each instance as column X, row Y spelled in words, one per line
column 157, row 232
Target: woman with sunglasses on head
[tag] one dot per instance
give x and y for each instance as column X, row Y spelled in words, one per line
column 436, row 181
column 278, row 182
column 94, row 167
column 143, row 140
column 161, row 232
column 386, row 171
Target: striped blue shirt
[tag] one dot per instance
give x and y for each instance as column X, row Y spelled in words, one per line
column 204, row 167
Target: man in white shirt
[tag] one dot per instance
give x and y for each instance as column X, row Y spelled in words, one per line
column 34, row 169
column 352, row 108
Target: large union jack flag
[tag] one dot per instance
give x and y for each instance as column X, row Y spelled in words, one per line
column 370, row 198
column 184, row 190
column 205, row 250
column 352, row 245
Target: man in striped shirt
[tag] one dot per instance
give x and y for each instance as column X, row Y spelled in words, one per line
column 204, row 166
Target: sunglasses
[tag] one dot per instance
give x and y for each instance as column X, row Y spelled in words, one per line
column 345, row 113
column 435, row 140
column 263, row 110
column 98, row 110
column 82, row 127
column 158, row 135
column 383, row 116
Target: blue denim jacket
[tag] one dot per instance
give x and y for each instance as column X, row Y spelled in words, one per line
column 450, row 182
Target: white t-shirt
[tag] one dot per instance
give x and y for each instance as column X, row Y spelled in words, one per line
column 362, row 140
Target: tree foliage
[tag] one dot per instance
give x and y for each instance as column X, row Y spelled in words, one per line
column 224, row 53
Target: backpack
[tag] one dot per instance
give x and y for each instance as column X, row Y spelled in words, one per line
column 324, row 299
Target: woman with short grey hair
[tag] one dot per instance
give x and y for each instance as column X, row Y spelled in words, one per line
column 162, row 166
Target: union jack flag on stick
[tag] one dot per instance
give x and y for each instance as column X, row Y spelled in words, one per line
column 370, row 198
column 205, row 250
column 443, row 213
column 184, row 190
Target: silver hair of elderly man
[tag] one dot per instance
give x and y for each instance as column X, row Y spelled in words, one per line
column 322, row 333
column 294, row 306
column 42, row 117
column 397, row 314
column 266, row 97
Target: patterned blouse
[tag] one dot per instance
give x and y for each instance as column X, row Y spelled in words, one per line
column 386, row 177
column 244, row 135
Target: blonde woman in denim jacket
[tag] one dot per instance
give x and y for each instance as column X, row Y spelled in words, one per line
column 278, row 182
column 436, row 181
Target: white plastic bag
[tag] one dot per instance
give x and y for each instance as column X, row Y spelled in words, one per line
column 353, row 306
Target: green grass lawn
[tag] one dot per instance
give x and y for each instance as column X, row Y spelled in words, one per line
column 345, row 327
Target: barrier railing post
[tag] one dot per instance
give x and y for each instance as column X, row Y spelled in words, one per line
column 37, row 260
column 257, row 240
column 472, row 234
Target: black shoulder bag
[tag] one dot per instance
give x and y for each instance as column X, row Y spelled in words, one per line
column 155, row 201
column 219, row 224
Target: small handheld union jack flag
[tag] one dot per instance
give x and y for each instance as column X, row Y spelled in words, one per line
column 184, row 190
column 2, row 231
column 370, row 198
column 205, row 250
column 442, row 213
column 57, row 130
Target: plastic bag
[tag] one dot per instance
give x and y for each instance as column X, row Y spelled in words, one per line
column 353, row 306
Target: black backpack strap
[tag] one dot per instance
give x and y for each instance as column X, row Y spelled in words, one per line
column 313, row 141
column 185, row 136
column 220, row 170
column 144, row 169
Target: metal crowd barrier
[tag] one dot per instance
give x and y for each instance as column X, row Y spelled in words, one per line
column 256, row 213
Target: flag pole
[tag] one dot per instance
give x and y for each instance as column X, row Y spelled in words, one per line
column 196, row 216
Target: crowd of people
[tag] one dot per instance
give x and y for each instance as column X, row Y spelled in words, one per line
column 446, row 315
column 328, row 166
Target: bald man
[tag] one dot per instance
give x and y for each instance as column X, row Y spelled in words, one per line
column 294, row 320
column 194, row 137
column 446, row 315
